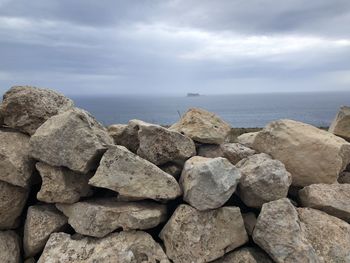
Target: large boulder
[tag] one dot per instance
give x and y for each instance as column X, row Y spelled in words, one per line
column 202, row 236
column 10, row 249
column 73, row 139
column 208, row 183
column 41, row 222
column 247, row 139
column 102, row 216
column 341, row 123
column 15, row 164
column 311, row 155
column 245, row 255
column 263, row 180
column 128, row 247
column 26, row 108
column 131, row 176
column 202, row 126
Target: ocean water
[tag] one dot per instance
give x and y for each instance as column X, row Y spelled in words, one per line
column 243, row 110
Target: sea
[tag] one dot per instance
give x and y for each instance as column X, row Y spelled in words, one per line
column 240, row 110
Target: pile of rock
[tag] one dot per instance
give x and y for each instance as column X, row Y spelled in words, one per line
column 73, row 191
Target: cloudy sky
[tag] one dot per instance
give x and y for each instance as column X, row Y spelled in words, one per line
column 175, row 46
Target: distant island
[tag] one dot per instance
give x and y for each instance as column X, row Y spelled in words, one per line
column 193, row 94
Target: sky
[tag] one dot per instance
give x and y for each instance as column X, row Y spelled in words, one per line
column 90, row 47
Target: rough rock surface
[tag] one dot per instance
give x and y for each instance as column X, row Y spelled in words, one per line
column 344, row 178
column 131, row 176
column 12, row 201
column 61, row 185
column 15, row 164
column 247, row 139
column 333, row 199
column 26, row 108
column 102, row 216
column 126, row 247
column 202, row 236
column 73, row 139
column 278, row 232
column 208, row 183
column 202, row 126
column 311, row 155
column 249, row 222
column 245, row 255
column 116, row 131
column 10, row 249
column 341, row 123
column 172, row 169
column 263, row 180
column 41, row 222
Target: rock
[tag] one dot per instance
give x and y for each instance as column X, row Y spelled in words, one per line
column 100, row 217
column 329, row 235
column 249, row 222
column 116, row 131
column 30, row 260
column 27, row 108
column 263, row 180
column 61, row 185
column 333, row 199
column 172, row 168
column 245, row 255
column 202, row 126
column 311, row 155
column 208, row 183
column 12, row 201
column 1, row 116
column 344, row 178
column 202, row 236
column 15, row 164
column 131, row 176
column 41, row 222
column 73, row 139
column 341, row 123
column 278, row 232
column 10, row 250
column 247, row 139
column 123, row 247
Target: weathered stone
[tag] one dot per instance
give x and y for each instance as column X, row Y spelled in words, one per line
column 15, row 164
column 245, row 255
column 1, row 116
column 116, row 131
column 172, row 168
column 27, row 108
column 41, row 222
column 131, row 176
column 202, row 236
column 278, row 232
column 202, row 126
column 61, row 185
column 311, row 155
column 10, row 249
column 102, row 216
column 344, row 178
column 210, row 150
column 333, row 199
column 208, row 183
column 247, row 139
column 263, row 180
column 123, row 247
column 249, row 222
column 341, row 123
column 73, row 139
column 12, row 201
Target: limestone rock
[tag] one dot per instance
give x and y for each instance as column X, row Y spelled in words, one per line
column 202, row 236
column 27, row 108
column 12, row 201
column 102, row 216
column 172, row 168
column 341, row 123
column 311, row 155
column 249, row 222
column 41, row 222
column 202, row 126
column 208, row 183
column 61, row 185
column 245, row 255
column 15, row 164
column 344, row 178
column 131, row 176
column 247, row 139
column 210, row 150
column 10, row 250
column 126, row 247
column 73, row 139
column 263, row 180
column 116, row 131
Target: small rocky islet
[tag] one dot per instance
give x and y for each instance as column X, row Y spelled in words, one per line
column 72, row 190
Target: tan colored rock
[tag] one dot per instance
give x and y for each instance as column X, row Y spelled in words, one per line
column 208, row 183
column 61, row 185
column 341, row 123
column 172, row 168
column 26, row 108
column 41, row 222
column 344, row 178
column 123, row 247
column 245, row 255
column 116, row 131
column 202, row 236
column 73, row 139
column 202, row 126
column 247, row 139
column 131, row 176
column 311, row 155
column 249, row 222
column 10, row 249
column 100, row 217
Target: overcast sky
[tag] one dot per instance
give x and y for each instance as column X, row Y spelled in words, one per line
column 175, row 46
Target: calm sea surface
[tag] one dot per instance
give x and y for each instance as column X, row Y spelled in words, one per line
column 248, row 110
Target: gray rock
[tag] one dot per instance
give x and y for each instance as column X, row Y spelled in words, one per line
column 116, row 131
column 202, row 236
column 245, row 255
column 1, row 116
column 249, row 222
column 10, row 249
column 26, row 108
column 172, row 168
column 210, row 150
column 341, row 123
column 247, row 139
column 344, row 178
column 73, row 139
